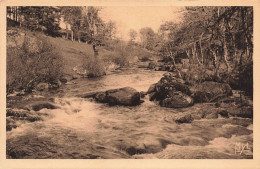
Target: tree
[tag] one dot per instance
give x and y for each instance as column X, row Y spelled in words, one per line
column 72, row 16
column 214, row 36
column 132, row 35
column 147, row 36
column 110, row 30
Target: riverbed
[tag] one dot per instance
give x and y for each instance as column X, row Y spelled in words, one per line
column 83, row 129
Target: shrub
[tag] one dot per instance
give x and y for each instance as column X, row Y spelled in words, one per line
column 34, row 62
column 94, row 66
column 120, row 56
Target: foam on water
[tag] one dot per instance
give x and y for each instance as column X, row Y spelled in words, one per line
column 75, row 113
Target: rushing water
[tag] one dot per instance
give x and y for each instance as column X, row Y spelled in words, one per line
column 82, row 128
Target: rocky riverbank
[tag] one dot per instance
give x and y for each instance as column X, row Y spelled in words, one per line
column 101, row 118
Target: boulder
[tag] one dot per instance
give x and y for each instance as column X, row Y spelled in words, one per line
column 223, row 113
column 66, row 78
column 143, row 94
column 169, row 84
column 151, row 88
column 244, row 112
column 101, row 97
column 55, row 84
column 152, row 96
column 171, row 92
column 212, row 115
column 37, row 106
column 184, row 119
column 124, row 96
column 151, row 65
column 177, row 100
column 210, row 91
column 42, row 86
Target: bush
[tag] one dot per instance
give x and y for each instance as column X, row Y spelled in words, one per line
column 121, row 56
column 94, row 66
column 34, row 62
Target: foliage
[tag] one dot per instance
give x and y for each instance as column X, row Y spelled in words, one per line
column 211, row 37
column 147, row 38
column 94, row 66
column 26, row 68
column 45, row 19
column 133, row 35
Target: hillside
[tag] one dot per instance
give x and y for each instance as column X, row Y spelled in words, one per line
column 63, row 58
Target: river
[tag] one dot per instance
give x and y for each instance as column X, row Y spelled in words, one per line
column 83, row 129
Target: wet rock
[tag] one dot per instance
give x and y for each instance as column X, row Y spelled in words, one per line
column 55, row 85
column 37, row 106
column 101, row 97
column 66, row 78
column 88, row 95
column 16, row 113
column 184, row 119
column 42, row 86
column 151, row 88
column 198, row 115
column 210, row 91
column 9, row 127
column 171, row 92
column 152, row 96
column 16, row 117
column 132, row 151
column 242, row 121
column 10, row 123
column 142, row 94
column 244, row 112
column 151, row 65
column 124, row 96
column 212, row 115
column 177, row 100
column 223, row 113
column 169, row 84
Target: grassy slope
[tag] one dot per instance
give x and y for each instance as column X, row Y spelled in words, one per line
column 74, row 53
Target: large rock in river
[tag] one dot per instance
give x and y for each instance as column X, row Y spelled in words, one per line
column 126, row 96
column 177, row 100
column 166, row 85
column 171, row 92
column 209, row 91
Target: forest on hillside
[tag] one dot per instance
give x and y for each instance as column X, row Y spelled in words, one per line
column 215, row 40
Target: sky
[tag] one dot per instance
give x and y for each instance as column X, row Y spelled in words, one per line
column 137, row 17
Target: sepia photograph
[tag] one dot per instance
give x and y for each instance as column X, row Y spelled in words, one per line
column 129, row 82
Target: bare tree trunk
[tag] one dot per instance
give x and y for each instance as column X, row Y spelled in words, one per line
column 67, row 33
column 195, row 53
column 201, row 50
column 188, row 54
column 226, row 54
column 16, row 15
column 173, row 60
column 78, row 36
column 72, row 37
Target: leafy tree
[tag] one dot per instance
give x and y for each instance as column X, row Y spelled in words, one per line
column 147, row 36
column 133, row 35
column 213, row 36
